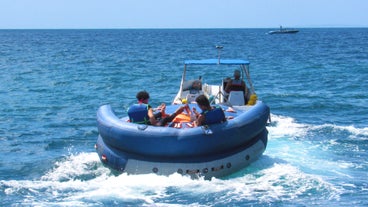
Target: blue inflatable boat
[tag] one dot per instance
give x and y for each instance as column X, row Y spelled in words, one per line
column 215, row 150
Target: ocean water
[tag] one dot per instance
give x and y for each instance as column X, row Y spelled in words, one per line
column 53, row 81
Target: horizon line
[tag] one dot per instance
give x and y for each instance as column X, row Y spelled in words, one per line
column 184, row 28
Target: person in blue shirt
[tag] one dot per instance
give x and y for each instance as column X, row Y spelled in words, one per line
column 142, row 112
column 209, row 115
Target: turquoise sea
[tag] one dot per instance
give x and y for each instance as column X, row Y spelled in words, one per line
column 53, row 81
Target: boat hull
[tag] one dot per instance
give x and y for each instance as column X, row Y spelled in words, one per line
column 218, row 165
column 283, row 32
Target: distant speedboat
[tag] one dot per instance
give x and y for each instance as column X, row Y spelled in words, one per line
column 283, row 31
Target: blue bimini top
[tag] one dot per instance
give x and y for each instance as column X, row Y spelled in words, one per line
column 216, row 62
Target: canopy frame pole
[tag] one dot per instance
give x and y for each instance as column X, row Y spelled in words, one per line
column 245, row 68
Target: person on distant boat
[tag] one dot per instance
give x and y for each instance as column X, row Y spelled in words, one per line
column 237, row 84
column 209, row 115
column 142, row 112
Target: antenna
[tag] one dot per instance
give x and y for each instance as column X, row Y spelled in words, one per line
column 219, row 48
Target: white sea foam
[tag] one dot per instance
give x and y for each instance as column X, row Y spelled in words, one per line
column 72, row 166
column 285, row 126
column 64, row 185
column 316, row 149
column 352, row 130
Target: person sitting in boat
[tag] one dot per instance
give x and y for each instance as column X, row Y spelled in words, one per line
column 209, row 115
column 142, row 112
column 196, row 85
column 237, row 84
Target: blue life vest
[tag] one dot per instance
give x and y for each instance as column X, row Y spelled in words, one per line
column 138, row 113
column 213, row 116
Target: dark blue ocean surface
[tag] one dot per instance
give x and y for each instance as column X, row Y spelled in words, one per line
column 53, row 81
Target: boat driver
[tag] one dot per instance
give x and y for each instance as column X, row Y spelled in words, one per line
column 237, row 84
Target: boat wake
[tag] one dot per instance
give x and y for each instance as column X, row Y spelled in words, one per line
column 290, row 169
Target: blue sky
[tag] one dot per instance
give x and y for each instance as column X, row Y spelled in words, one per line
column 55, row 14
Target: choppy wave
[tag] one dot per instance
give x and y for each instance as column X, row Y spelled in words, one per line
column 288, row 126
